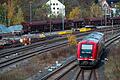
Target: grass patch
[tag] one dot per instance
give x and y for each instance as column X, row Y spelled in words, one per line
column 112, row 68
column 37, row 63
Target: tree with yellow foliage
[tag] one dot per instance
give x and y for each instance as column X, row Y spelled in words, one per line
column 118, row 5
column 74, row 14
column 18, row 18
column 14, row 13
column 72, row 40
column 95, row 10
column 3, row 13
column 10, row 11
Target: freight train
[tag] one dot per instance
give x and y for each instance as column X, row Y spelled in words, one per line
column 90, row 49
column 56, row 25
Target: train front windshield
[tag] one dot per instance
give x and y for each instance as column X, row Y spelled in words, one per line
column 86, row 51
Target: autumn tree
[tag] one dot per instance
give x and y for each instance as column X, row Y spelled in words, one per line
column 75, row 13
column 14, row 13
column 46, row 9
column 85, row 13
column 18, row 18
column 2, row 1
column 118, row 5
column 95, row 10
column 41, row 12
column 118, row 9
column 10, row 11
column 72, row 39
column 3, row 14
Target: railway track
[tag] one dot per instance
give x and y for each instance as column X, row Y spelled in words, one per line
column 35, row 45
column 38, row 44
column 28, row 47
column 20, row 54
column 59, row 72
column 28, row 54
column 81, row 74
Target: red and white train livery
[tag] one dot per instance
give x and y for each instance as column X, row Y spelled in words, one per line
column 89, row 50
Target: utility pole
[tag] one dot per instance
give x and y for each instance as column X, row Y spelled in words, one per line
column 105, row 12
column 112, row 17
column 105, row 15
column 112, row 26
column 30, row 6
column 50, row 16
column 6, row 22
column 63, row 15
column 9, row 15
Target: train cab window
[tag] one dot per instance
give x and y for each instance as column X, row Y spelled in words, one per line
column 86, row 51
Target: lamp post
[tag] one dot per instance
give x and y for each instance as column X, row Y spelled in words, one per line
column 6, row 22
column 63, row 15
column 112, row 17
column 105, row 17
column 50, row 16
column 112, row 26
column 30, row 6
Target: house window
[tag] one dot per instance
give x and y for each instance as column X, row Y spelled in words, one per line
column 54, row 8
column 57, row 8
column 57, row 12
column 53, row 3
column 56, row 3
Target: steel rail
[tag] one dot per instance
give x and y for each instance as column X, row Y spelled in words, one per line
column 73, row 61
column 26, row 55
column 4, row 52
column 112, row 39
column 29, row 54
column 29, row 47
column 35, row 45
column 107, row 43
column 77, row 74
column 25, row 48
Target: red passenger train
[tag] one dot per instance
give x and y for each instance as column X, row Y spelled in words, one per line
column 89, row 50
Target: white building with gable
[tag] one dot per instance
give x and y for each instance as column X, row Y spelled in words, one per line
column 57, row 7
column 105, row 7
